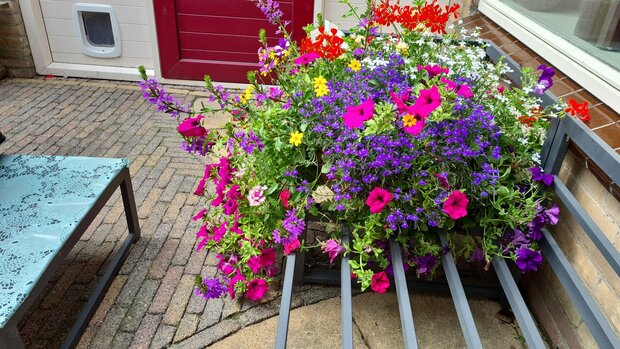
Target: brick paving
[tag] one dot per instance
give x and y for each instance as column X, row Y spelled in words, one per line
column 150, row 302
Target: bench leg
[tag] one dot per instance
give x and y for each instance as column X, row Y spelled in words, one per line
column 130, row 205
column 104, row 283
column 9, row 338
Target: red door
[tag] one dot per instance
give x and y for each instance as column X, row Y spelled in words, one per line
column 218, row 37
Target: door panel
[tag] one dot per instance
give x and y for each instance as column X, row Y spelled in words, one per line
column 218, row 38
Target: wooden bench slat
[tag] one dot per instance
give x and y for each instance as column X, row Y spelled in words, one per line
column 466, row 319
column 591, row 313
column 517, row 303
column 285, row 303
column 599, row 239
column 345, row 295
column 402, row 294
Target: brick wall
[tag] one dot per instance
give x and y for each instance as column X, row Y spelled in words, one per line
column 548, row 301
column 15, row 53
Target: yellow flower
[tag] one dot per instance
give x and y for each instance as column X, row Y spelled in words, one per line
column 319, row 81
column 409, row 120
column 247, row 94
column 355, row 65
column 296, row 138
column 320, row 86
column 402, row 47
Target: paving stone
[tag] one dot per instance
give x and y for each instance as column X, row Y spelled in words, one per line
column 146, row 331
column 161, row 263
column 108, row 328
column 212, row 313
column 187, row 327
column 140, row 305
column 133, row 284
column 122, row 340
column 163, row 337
column 176, row 309
column 166, row 290
column 108, row 300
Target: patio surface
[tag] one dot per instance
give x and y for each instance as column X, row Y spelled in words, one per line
column 150, row 304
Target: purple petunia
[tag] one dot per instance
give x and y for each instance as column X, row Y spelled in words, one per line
column 545, row 81
column 211, row 288
column 538, row 175
column 527, row 259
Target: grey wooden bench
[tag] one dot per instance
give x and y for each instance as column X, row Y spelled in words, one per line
column 46, row 204
column 553, row 153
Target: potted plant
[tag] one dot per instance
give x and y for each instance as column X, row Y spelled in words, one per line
column 406, row 134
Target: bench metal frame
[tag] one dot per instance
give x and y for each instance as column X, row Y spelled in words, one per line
column 552, row 155
column 9, row 335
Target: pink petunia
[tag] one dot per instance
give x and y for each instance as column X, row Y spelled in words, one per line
column 428, row 101
column 191, row 127
column 433, row 70
column 464, row 91
column 254, row 264
column 400, row 100
column 291, row 246
column 267, row 257
column 333, row 248
column 284, row 196
column 227, row 266
column 456, row 205
column 231, row 286
column 256, row 290
column 380, row 282
column 306, row 58
column 413, row 122
column 356, row 115
column 377, row 199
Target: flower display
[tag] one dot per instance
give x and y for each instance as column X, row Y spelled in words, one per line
column 403, row 121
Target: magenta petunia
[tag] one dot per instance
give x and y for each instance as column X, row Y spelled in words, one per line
column 191, row 127
column 464, row 91
column 377, row 199
column 231, row 285
column 433, row 70
column 291, row 246
column 356, row 115
column 380, row 282
column 456, row 205
column 267, row 257
column 427, row 101
column 333, row 248
column 413, row 122
column 256, row 289
column 400, row 100
column 306, row 58
column 254, row 264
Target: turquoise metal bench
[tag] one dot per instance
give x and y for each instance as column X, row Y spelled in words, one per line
column 46, row 204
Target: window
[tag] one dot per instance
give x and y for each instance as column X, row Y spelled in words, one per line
column 579, row 37
column 592, row 25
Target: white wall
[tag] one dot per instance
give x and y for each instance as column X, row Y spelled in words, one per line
column 134, row 25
